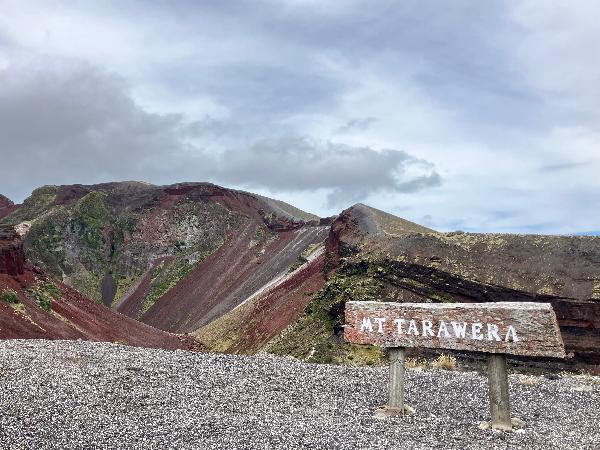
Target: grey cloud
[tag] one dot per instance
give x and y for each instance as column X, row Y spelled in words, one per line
column 293, row 163
column 357, row 124
column 258, row 91
column 449, row 53
column 563, row 166
column 70, row 122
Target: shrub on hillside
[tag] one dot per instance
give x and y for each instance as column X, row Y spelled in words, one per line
column 9, row 296
column 45, row 293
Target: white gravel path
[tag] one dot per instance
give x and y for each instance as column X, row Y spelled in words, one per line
column 82, row 395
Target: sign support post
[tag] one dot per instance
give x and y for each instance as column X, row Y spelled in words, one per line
column 395, row 406
column 498, row 329
column 498, row 387
column 396, row 397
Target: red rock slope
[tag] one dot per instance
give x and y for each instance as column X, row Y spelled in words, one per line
column 34, row 306
column 228, row 277
column 6, row 206
column 175, row 257
column 264, row 316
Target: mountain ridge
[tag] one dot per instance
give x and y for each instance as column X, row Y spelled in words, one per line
column 235, row 268
column 128, row 244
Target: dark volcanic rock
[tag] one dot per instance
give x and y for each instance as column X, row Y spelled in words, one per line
column 374, row 256
column 12, row 257
column 561, row 270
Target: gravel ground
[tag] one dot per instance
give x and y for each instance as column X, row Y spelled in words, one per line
column 59, row 394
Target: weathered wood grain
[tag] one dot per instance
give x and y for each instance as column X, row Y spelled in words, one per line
column 396, row 394
column 498, row 391
column 526, row 329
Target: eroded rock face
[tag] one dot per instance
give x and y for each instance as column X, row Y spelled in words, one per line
column 465, row 267
column 5, row 201
column 12, row 258
column 129, row 244
column 371, row 256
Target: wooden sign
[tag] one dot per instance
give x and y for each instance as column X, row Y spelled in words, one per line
column 515, row 328
column 519, row 328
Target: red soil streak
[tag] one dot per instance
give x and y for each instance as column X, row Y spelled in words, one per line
column 70, row 194
column 267, row 315
column 133, row 299
column 228, row 277
column 73, row 316
column 12, row 258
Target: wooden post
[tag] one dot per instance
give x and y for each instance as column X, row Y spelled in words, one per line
column 396, row 397
column 498, row 386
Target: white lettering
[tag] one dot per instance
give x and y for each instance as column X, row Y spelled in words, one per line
column 379, row 321
column 412, row 328
column 493, row 332
column 427, row 325
column 443, row 329
column 476, row 331
column 460, row 329
column 366, row 324
column 399, row 323
column 511, row 330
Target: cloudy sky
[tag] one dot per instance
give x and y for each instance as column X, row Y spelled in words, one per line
column 480, row 116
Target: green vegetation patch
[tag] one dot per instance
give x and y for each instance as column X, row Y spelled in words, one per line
column 303, row 257
column 123, row 285
column 163, row 279
column 91, row 215
column 33, row 206
column 44, row 243
column 9, row 296
column 44, row 293
column 317, row 336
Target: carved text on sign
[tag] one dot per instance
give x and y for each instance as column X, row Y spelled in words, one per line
column 461, row 330
column 523, row 328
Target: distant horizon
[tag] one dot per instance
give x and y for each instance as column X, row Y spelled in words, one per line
column 466, row 230
column 475, row 116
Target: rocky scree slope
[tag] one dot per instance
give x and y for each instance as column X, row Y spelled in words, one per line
column 35, row 306
column 175, row 257
column 369, row 255
column 82, row 395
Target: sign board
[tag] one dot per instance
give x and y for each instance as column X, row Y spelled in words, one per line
column 514, row 328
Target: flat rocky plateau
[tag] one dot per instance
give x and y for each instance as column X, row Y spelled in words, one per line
column 76, row 395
